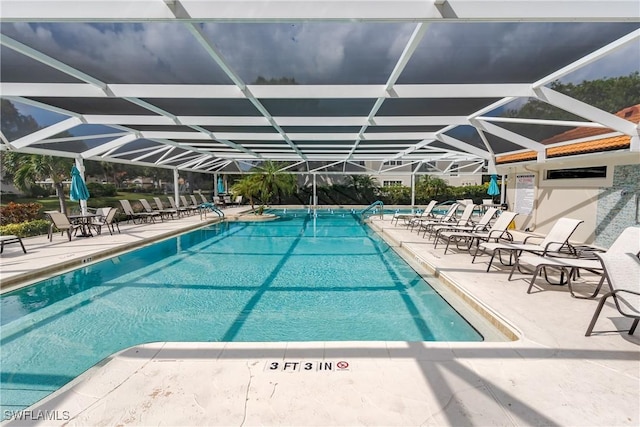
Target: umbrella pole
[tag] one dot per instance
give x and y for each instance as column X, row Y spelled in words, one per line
column 80, row 166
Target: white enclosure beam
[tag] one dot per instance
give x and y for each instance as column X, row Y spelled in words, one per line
column 585, row 110
column 41, row 134
column 510, row 136
column 279, row 10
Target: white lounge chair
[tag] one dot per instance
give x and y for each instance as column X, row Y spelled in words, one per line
column 622, row 272
column 426, row 212
column 627, row 241
column 498, row 231
column 426, row 224
column 463, row 221
column 556, row 240
column 483, row 224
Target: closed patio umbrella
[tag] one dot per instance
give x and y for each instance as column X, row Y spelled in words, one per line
column 493, row 189
column 220, row 185
column 79, row 190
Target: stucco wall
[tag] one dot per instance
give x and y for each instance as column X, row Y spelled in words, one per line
column 606, row 205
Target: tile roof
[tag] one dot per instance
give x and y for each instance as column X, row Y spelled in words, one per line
column 605, row 144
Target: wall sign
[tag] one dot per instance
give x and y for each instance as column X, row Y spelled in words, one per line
column 525, row 194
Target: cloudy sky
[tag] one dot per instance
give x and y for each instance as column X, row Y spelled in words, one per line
column 317, row 53
column 320, row 53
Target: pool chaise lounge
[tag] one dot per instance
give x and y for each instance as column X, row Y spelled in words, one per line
column 556, row 240
column 627, row 241
column 483, row 224
column 407, row 218
column 622, row 272
column 498, row 231
column 463, row 221
column 448, row 217
column 8, row 239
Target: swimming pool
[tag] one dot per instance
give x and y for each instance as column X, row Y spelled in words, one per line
column 301, row 278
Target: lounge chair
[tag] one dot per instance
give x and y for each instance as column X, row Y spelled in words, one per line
column 135, row 216
column 425, row 213
column 497, row 232
column 165, row 211
column 106, row 219
column 426, row 225
column 62, row 223
column 463, row 221
column 237, row 201
column 179, row 209
column 556, row 240
column 195, row 201
column 191, row 206
column 482, row 225
column 155, row 212
column 8, row 239
column 622, row 272
column 627, row 241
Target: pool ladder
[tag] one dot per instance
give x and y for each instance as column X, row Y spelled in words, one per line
column 373, row 205
column 211, row 207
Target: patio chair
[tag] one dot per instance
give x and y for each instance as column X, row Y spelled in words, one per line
column 195, row 201
column 237, row 201
column 627, row 241
column 62, row 223
column 204, row 199
column 191, row 206
column 482, row 225
column 154, row 212
column 463, row 221
column 556, row 240
column 179, row 209
column 425, row 213
column 498, row 231
column 449, row 216
column 133, row 215
column 165, row 211
column 622, row 272
column 8, row 239
column 106, row 218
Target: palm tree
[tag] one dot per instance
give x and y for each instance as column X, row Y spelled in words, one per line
column 26, row 169
column 247, row 187
column 365, row 188
column 273, row 182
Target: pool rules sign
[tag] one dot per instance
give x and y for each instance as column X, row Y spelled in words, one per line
column 307, row 366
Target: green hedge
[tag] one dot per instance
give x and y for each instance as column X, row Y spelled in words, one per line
column 26, row 229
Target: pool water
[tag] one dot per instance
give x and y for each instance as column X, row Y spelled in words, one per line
column 304, row 277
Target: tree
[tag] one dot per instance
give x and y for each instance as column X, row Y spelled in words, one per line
column 247, row 187
column 365, row 188
column 429, row 187
column 26, row 169
column 273, row 181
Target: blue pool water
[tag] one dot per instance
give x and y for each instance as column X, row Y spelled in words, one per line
column 301, row 278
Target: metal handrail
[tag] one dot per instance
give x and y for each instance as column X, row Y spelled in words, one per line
column 213, row 208
column 373, row 205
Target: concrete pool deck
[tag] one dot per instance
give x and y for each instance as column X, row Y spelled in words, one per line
column 550, row 375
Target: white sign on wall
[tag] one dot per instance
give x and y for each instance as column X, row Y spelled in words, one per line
column 525, row 194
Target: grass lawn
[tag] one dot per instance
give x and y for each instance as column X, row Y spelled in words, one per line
column 52, row 203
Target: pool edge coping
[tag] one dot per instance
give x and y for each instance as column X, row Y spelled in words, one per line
column 503, row 325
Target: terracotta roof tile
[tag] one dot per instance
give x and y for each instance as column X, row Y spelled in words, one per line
column 630, row 113
column 605, row 144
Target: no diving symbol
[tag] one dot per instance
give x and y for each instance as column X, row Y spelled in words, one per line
column 342, row 365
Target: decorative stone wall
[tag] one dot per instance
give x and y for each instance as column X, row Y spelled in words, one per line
column 617, row 206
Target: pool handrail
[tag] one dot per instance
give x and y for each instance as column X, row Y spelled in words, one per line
column 373, row 205
column 212, row 206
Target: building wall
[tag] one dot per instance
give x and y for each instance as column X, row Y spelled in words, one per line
column 600, row 202
column 618, row 205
